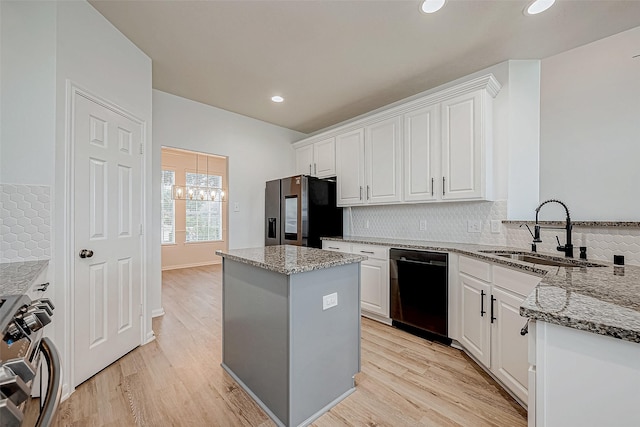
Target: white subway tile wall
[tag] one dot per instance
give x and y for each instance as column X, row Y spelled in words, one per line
column 602, row 242
column 442, row 222
column 25, row 222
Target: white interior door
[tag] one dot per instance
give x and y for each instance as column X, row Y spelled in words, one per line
column 107, row 196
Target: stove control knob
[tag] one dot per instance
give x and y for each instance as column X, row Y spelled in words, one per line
column 14, row 332
column 9, row 413
column 46, row 301
column 40, row 306
column 13, row 387
column 36, row 319
column 22, row 368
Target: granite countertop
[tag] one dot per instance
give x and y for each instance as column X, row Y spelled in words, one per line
column 603, row 300
column 17, row 277
column 289, row 259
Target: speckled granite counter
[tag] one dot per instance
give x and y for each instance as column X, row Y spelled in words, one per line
column 17, row 277
column 603, row 300
column 289, row 259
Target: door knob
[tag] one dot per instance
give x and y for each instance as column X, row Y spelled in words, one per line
column 86, row 253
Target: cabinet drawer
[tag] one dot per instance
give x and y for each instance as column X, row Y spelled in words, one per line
column 514, row 281
column 372, row 251
column 475, row 268
column 332, row 245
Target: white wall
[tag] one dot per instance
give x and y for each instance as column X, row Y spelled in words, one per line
column 257, row 152
column 524, row 138
column 27, row 88
column 590, row 129
column 43, row 45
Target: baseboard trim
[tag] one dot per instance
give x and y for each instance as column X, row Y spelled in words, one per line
column 376, row 317
column 157, row 312
column 195, row 264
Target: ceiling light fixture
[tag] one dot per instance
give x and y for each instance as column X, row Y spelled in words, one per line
column 203, row 191
column 277, row 98
column 431, row 6
column 538, row 6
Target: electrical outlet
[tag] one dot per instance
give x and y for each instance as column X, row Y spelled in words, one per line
column 474, row 226
column 366, row 224
column 236, row 207
column 496, row 225
column 329, row 301
column 423, row 225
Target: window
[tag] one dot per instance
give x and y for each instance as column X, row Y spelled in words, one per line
column 168, row 208
column 204, row 218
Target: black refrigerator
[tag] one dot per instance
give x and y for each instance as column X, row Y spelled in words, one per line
column 300, row 210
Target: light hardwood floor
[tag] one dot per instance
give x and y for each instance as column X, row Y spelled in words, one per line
column 177, row 380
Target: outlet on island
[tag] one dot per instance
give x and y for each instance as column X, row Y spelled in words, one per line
column 329, row 301
column 423, row 225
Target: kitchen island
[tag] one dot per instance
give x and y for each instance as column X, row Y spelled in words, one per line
column 291, row 328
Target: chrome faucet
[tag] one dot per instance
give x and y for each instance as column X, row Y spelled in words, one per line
column 568, row 247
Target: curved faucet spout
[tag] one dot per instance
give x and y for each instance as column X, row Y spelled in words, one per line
column 568, row 247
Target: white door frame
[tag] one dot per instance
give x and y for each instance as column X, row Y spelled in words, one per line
column 68, row 200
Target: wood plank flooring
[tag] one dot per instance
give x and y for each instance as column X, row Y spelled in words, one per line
column 177, row 380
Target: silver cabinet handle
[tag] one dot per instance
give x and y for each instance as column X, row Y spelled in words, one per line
column 332, row 247
column 432, row 187
column 315, row 169
column 368, row 252
column 309, row 168
column 368, row 197
column 361, row 192
column 443, row 185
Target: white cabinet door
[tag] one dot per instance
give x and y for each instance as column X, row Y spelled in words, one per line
column 324, row 158
column 350, row 167
column 335, row 246
column 509, row 361
column 304, row 160
column 463, row 147
column 383, row 161
column 475, row 325
column 421, row 155
column 374, row 286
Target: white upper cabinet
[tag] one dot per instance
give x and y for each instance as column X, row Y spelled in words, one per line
column 318, row 159
column 304, row 160
column 431, row 149
column 383, row 162
column 464, row 145
column 324, row 158
column 350, row 168
column 369, row 164
column 421, row 154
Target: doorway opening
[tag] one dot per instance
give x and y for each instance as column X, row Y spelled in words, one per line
column 194, row 224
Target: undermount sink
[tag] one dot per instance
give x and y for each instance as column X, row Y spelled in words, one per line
column 543, row 259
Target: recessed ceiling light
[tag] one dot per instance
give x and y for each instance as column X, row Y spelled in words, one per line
column 538, row 6
column 431, row 6
column 277, row 98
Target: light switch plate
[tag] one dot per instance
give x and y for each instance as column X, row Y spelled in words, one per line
column 423, row 225
column 474, row 226
column 329, row 301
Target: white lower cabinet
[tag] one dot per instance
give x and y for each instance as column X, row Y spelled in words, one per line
column 475, row 331
column 490, row 326
column 374, row 276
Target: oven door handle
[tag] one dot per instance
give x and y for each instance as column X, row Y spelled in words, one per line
column 54, row 384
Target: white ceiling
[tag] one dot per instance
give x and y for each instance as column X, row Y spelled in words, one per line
column 334, row 60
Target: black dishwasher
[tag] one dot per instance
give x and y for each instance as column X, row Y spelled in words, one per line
column 419, row 292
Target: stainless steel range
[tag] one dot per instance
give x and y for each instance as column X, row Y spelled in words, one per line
column 30, row 370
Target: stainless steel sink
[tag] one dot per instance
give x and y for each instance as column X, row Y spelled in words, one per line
column 543, row 259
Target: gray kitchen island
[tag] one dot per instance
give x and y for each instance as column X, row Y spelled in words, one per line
column 291, row 328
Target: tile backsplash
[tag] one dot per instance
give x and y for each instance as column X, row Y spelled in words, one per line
column 25, row 222
column 445, row 222
column 602, row 242
column 448, row 222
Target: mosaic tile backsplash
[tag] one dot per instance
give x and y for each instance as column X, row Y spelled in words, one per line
column 444, row 222
column 25, row 222
column 448, row 222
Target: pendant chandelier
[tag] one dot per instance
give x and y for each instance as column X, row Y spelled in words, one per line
column 204, row 193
